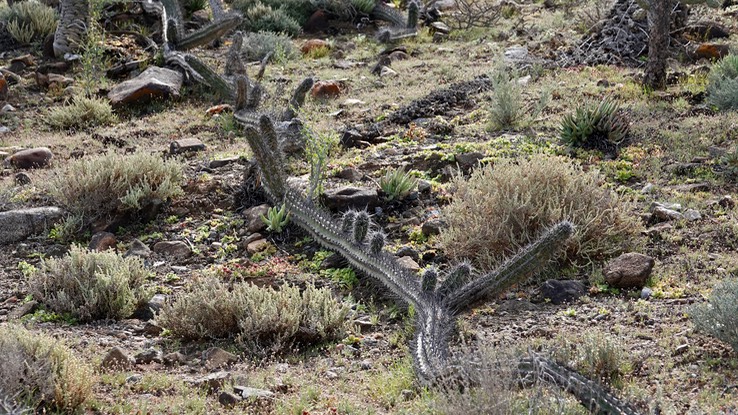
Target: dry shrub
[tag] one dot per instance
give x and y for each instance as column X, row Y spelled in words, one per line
column 505, row 206
column 29, row 21
column 89, row 285
column 717, row 317
column 39, row 371
column 259, row 316
column 82, row 112
column 595, row 355
column 107, row 186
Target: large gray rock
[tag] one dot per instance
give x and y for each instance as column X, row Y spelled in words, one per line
column 175, row 249
column 562, row 291
column 30, row 158
column 17, row 225
column 154, row 82
column 629, row 270
column 351, row 198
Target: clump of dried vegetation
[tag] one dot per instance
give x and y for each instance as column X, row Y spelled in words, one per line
column 29, row 21
column 260, row 317
column 88, row 285
column 502, row 207
column 103, row 187
column 717, row 317
column 82, row 112
column 39, row 372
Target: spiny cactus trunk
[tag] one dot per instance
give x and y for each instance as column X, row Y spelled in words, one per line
column 659, row 16
column 70, row 32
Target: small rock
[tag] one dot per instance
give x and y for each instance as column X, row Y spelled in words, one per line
column 692, row 215
column 138, row 249
column 325, row 90
column 253, row 393
column 252, row 218
column 216, row 358
column 351, row 102
column 468, row 160
column 318, row 22
column 102, row 241
column 629, row 270
column 19, row 224
column 331, row 374
column 4, row 130
column 711, row 51
column 212, row 382
column 215, row 164
column 681, row 349
column 30, row 158
column 175, row 249
column 349, row 197
column 433, row 227
column 228, row 399
column 664, row 214
column 365, row 364
column 648, row 188
column 351, row 138
column 157, row 302
column 186, row 145
column 7, row 108
column 152, row 83
column 727, row 202
column 350, row 174
column 408, row 251
column 387, row 72
column 516, row 54
column 562, row 291
column 398, row 55
column 152, row 329
column 440, row 27
column 22, row 179
column 23, row 309
column 174, row 359
column 134, row 378
column 257, row 246
column 409, row 264
column 116, row 358
column 407, row 395
column 148, row 356
column 313, row 44
column 646, row 293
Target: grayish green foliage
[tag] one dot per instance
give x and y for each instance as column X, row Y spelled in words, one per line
column 717, row 317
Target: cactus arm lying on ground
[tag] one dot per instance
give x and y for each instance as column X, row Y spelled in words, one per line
column 400, row 27
column 207, row 34
column 70, row 31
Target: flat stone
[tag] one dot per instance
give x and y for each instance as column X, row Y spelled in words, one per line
column 149, row 356
column 215, row 164
column 629, row 270
column 175, row 249
column 116, row 358
column 174, row 359
column 217, row 358
column 152, row 83
column 387, row 72
column 440, row 27
column 432, row 227
column 257, row 246
column 351, row 198
column 228, row 399
column 30, row 158
column 212, row 382
column 468, row 160
column 23, row 309
column 664, row 214
column 18, row 225
column 102, row 241
column 186, row 145
column 138, row 249
column 350, row 174
column 253, row 393
column 351, row 102
column 409, row 264
column 325, row 90
column 692, row 215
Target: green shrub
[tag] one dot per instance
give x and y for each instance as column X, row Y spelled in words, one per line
column 501, row 208
column 40, row 372
column 257, row 45
column 717, row 317
column 596, row 127
column 82, row 112
column 258, row 316
column 722, row 87
column 506, row 108
column 397, row 184
column 29, row 21
column 89, row 285
column 273, row 16
column 112, row 185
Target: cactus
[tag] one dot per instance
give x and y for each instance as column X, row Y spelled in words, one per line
column 73, row 22
column 400, row 27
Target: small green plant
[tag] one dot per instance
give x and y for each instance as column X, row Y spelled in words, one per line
column 397, row 184
column 92, row 285
column 729, row 162
column 506, row 108
column 717, row 317
column 318, row 148
column 722, row 88
column 26, row 269
column 260, row 44
column 596, row 127
column 82, row 112
column 276, row 218
column 29, row 21
column 41, row 372
column 258, row 316
column 272, row 16
column 99, row 188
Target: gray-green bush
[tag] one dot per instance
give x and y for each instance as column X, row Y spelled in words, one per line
column 100, row 188
column 722, row 88
column 40, row 372
column 503, row 206
column 29, row 21
column 81, row 112
column 258, row 316
column 717, row 317
column 258, row 45
column 89, row 285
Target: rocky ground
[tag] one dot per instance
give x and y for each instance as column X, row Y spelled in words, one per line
column 422, row 105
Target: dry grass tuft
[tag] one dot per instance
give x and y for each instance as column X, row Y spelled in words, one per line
column 503, row 207
column 90, row 285
column 40, row 372
column 82, row 112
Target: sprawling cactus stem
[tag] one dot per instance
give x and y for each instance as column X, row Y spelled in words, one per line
column 298, row 99
column 220, row 86
column 70, row 32
column 413, row 12
column 591, row 395
column 429, row 281
column 207, row 34
column 389, row 14
column 361, row 227
column 348, row 221
column 376, row 243
column 400, row 27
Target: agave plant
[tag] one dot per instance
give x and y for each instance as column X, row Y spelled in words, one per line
column 596, row 127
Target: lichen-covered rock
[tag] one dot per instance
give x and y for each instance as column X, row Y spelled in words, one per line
column 18, row 225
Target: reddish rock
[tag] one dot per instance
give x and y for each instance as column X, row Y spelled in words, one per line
column 102, row 241
column 318, row 22
column 629, row 270
column 3, row 88
column 154, row 82
column 325, row 89
column 30, row 158
column 312, row 45
column 711, row 51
